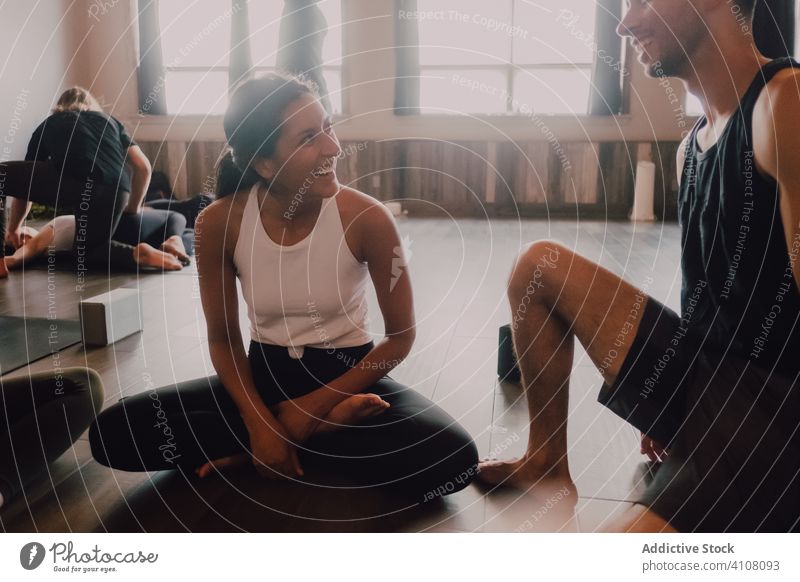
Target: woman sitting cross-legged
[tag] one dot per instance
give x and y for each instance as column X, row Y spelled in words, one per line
column 313, row 386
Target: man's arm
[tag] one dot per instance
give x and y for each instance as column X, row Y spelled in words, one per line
column 142, row 170
column 776, row 150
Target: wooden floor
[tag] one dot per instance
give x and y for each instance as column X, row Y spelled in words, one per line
column 459, row 270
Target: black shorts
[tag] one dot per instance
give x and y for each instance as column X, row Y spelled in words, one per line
column 732, row 429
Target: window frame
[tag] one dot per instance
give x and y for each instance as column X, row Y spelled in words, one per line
column 261, row 70
column 509, row 69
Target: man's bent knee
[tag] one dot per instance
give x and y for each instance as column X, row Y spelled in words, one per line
column 533, row 273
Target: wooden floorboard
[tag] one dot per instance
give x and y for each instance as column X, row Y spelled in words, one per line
column 459, row 269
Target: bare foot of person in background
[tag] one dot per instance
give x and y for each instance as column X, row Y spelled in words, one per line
column 147, row 256
column 175, row 247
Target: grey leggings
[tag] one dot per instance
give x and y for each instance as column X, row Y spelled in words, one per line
column 41, row 415
column 413, row 447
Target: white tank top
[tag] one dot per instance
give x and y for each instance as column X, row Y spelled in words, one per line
column 312, row 293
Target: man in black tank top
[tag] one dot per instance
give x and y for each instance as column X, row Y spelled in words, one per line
column 715, row 389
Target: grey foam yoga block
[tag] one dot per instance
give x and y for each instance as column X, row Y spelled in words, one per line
column 111, row 316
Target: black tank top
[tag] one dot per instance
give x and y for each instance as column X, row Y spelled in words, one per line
column 738, row 295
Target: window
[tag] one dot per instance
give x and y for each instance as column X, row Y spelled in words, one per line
column 505, row 56
column 195, row 40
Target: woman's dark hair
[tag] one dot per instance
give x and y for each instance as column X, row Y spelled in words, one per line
column 252, row 125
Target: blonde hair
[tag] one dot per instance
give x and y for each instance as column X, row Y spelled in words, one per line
column 76, row 99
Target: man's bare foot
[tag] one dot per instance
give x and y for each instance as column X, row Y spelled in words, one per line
column 223, row 463
column 175, row 247
column 524, row 473
column 147, row 256
column 353, row 410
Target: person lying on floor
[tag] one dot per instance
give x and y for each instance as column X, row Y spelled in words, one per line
column 163, row 243
column 714, row 390
column 314, row 386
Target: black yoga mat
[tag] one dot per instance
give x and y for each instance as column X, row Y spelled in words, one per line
column 26, row 339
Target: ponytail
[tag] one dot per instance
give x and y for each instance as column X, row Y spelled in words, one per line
column 231, row 178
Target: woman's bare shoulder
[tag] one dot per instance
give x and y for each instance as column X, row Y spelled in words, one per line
column 356, row 207
column 222, row 218
column 224, row 209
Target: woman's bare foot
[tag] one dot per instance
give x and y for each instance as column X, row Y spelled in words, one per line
column 223, row 463
column 352, row 410
column 524, row 473
column 346, row 413
column 147, row 256
column 175, row 247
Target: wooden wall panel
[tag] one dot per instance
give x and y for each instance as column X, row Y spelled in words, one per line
column 665, row 198
column 578, row 179
column 437, row 177
column 616, row 176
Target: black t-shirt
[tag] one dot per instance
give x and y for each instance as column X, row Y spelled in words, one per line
column 84, row 144
column 739, row 295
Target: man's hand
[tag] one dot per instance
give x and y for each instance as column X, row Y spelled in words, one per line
column 654, row 451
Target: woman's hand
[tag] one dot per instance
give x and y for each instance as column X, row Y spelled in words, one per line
column 14, row 238
column 271, row 454
column 26, row 233
column 274, row 454
column 299, row 425
column 654, row 451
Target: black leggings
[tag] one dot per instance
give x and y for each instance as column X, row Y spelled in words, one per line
column 153, row 227
column 414, row 447
column 97, row 207
column 41, row 415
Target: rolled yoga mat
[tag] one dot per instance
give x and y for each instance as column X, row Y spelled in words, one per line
column 26, row 339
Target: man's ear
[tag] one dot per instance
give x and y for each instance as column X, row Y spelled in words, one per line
column 264, row 168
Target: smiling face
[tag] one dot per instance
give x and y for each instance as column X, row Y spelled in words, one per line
column 304, row 160
column 666, row 34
